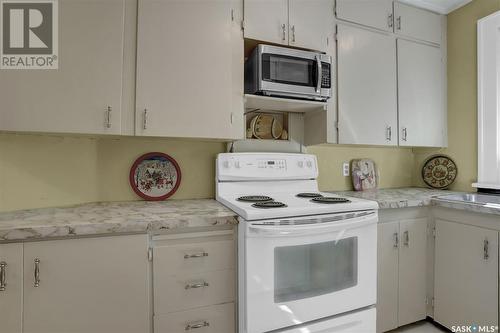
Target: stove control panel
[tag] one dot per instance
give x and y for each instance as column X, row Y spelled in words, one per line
column 266, row 166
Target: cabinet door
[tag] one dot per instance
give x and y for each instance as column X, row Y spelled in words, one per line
column 87, row 285
column 387, row 276
column 266, row 20
column 311, row 24
column 74, row 98
column 372, row 13
column 11, row 288
column 367, row 68
column 189, row 69
column 466, row 275
column 417, row 23
column 420, row 85
column 412, row 271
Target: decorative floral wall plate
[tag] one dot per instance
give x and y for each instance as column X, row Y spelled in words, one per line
column 439, row 171
column 155, row 176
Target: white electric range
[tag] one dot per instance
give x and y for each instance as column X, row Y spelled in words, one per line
column 307, row 259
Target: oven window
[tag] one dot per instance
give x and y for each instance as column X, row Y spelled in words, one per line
column 310, row 270
column 288, row 70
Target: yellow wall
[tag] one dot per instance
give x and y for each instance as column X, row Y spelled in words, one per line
column 44, row 170
column 462, row 93
column 395, row 165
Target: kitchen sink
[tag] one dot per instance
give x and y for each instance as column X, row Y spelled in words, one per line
column 473, row 198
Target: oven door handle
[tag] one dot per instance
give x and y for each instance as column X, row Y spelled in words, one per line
column 256, row 230
column 319, row 75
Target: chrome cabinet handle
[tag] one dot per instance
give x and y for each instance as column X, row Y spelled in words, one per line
column 37, row 273
column 196, row 285
column 193, row 326
column 3, row 276
column 486, row 249
column 108, row 117
column 406, row 235
column 196, row 255
column 145, row 119
column 405, row 134
column 396, row 240
column 398, row 23
column 390, row 20
column 320, row 74
column 293, row 33
column 283, row 27
column 389, row 133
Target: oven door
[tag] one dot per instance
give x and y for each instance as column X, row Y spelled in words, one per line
column 289, row 72
column 302, row 272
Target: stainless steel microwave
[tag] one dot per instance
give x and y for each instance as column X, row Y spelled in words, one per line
column 284, row 72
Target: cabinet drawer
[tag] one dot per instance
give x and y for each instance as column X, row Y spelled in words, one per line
column 212, row 319
column 183, row 292
column 194, row 257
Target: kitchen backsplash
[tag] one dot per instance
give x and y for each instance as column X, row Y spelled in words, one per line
column 52, row 170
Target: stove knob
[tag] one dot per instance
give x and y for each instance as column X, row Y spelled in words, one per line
column 309, row 164
column 301, row 164
column 237, row 164
column 227, row 164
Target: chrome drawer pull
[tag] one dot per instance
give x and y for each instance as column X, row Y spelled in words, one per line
column 3, row 274
column 486, row 250
column 396, row 240
column 37, row 273
column 196, row 285
column 196, row 255
column 193, row 326
column 407, row 238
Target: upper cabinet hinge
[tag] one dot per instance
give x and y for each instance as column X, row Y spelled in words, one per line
column 434, row 232
column 150, row 254
column 243, row 25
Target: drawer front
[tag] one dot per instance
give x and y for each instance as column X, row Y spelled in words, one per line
column 195, row 257
column 182, row 292
column 212, row 319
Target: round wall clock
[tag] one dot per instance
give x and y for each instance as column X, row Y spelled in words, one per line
column 439, row 172
column 155, row 176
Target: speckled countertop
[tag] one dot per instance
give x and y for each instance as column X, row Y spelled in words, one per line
column 398, row 197
column 112, row 218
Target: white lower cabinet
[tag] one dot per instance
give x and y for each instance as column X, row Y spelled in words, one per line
column 402, row 265
column 98, row 285
column 11, row 288
column 466, row 275
column 194, row 282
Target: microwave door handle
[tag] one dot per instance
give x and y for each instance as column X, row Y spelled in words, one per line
column 320, row 74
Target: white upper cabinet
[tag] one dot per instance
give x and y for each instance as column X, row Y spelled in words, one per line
column 267, row 20
column 367, row 93
column 82, row 96
column 417, row 23
column 311, row 23
column 301, row 23
column 372, row 13
column 422, row 115
column 190, row 69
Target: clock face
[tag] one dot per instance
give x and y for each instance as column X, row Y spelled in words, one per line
column 439, row 172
